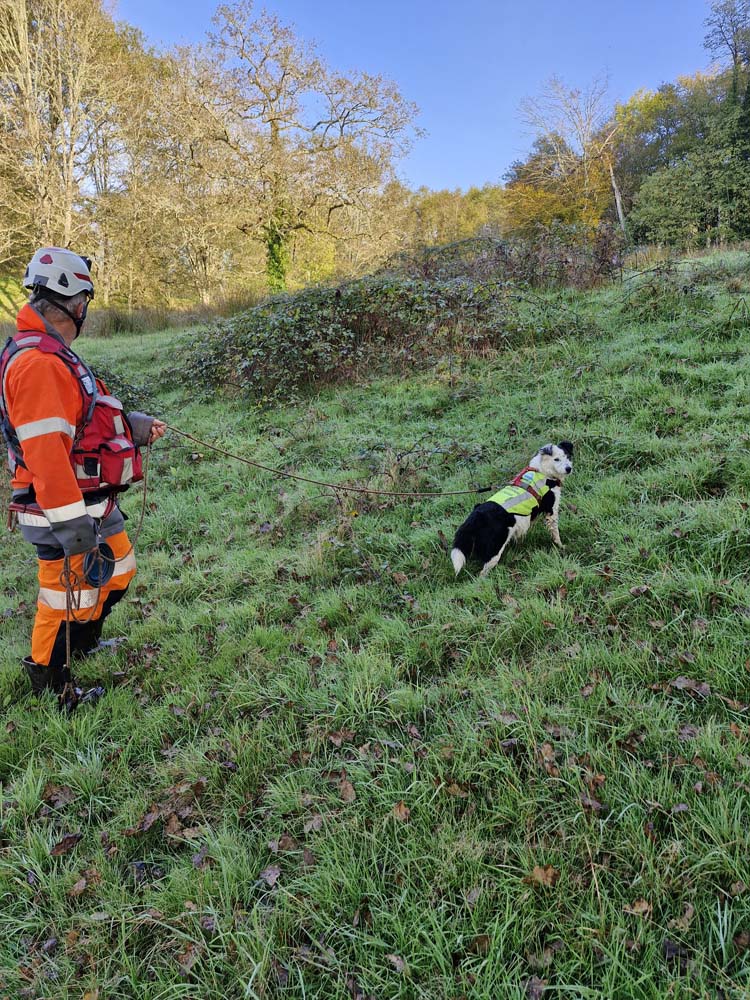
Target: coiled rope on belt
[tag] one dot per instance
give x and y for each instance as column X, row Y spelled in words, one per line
column 74, row 584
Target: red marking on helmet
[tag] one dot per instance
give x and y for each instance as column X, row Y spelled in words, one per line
column 46, row 259
column 83, row 277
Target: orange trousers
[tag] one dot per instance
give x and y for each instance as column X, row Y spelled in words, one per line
column 90, row 605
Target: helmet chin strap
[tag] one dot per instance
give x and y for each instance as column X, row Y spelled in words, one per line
column 76, row 320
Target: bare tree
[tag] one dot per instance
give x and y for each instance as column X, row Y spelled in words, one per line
column 729, row 31
column 575, row 131
column 312, row 142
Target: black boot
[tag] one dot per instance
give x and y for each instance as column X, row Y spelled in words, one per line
column 45, row 678
column 60, row 681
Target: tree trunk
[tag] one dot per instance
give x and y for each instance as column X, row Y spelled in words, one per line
column 618, row 197
column 277, row 258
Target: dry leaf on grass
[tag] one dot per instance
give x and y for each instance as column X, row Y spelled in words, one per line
column 479, row 945
column 401, row 812
column 66, row 845
column 346, row 790
column 187, row 958
column 313, row 824
column 57, row 796
column 270, row 875
column 701, row 688
column 683, row 923
column 543, row 875
column 472, row 896
column 639, row 908
column 535, row 987
column 397, row 962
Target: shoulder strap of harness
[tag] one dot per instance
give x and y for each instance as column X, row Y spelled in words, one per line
column 26, row 340
column 527, row 483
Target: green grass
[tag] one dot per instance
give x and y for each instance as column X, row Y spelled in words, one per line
column 286, row 648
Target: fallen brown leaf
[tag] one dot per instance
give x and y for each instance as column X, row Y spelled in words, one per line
column 401, row 812
column 456, row 791
column 79, row 888
column 701, row 688
column 313, row 824
column 397, row 962
column 201, row 860
column 66, row 845
column 346, row 790
column 640, row 908
column 543, row 875
column 146, row 822
column 338, row 737
column 270, row 875
column 187, row 958
column 58, row 796
column 535, row 987
column 308, row 858
column 479, row 945
column 472, row 896
column 683, row 923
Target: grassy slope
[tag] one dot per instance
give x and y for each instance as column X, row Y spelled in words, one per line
column 289, row 650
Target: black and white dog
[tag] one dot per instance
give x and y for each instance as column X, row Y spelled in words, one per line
column 508, row 514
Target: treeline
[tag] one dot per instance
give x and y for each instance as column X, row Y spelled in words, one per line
column 244, row 162
column 247, row 164
column 670, row 166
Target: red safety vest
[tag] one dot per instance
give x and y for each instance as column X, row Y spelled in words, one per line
column 104, row 456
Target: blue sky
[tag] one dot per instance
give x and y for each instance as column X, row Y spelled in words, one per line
column 468, row 64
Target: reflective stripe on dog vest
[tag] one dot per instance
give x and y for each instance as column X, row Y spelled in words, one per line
column 518, row 498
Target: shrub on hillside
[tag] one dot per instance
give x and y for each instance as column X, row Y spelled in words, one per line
column 374, row 325
column 554, row 256
column 133, row 396
column 664, row 294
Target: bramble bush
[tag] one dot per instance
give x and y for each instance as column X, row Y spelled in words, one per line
column 133, row 396
column 371, row 326
column 553, row 257
column 665, row 294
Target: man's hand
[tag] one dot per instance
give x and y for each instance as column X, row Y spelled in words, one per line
column 145, row 429
column 158, row 429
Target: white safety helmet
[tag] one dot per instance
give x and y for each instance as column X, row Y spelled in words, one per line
column 60, row 271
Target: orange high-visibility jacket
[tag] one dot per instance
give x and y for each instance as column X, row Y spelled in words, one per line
column 45, row 407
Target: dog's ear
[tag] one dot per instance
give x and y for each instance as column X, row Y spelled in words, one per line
column 548, row 449
column 567, row 447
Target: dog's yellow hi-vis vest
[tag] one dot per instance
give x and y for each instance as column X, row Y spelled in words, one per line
column 524, row 495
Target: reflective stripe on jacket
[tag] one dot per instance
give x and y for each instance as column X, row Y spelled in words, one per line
column 517, row 499
column 45, row 408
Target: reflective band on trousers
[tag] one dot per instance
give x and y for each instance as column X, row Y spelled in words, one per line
column 49, row 425
column 124, row 565
column 58, row 599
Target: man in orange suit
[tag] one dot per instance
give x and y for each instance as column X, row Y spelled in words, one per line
column 71, row 451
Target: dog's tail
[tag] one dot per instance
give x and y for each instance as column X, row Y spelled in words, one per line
column 458, row 559
column 463, row 545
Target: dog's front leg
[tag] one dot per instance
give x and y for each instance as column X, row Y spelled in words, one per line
column 551, row 520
